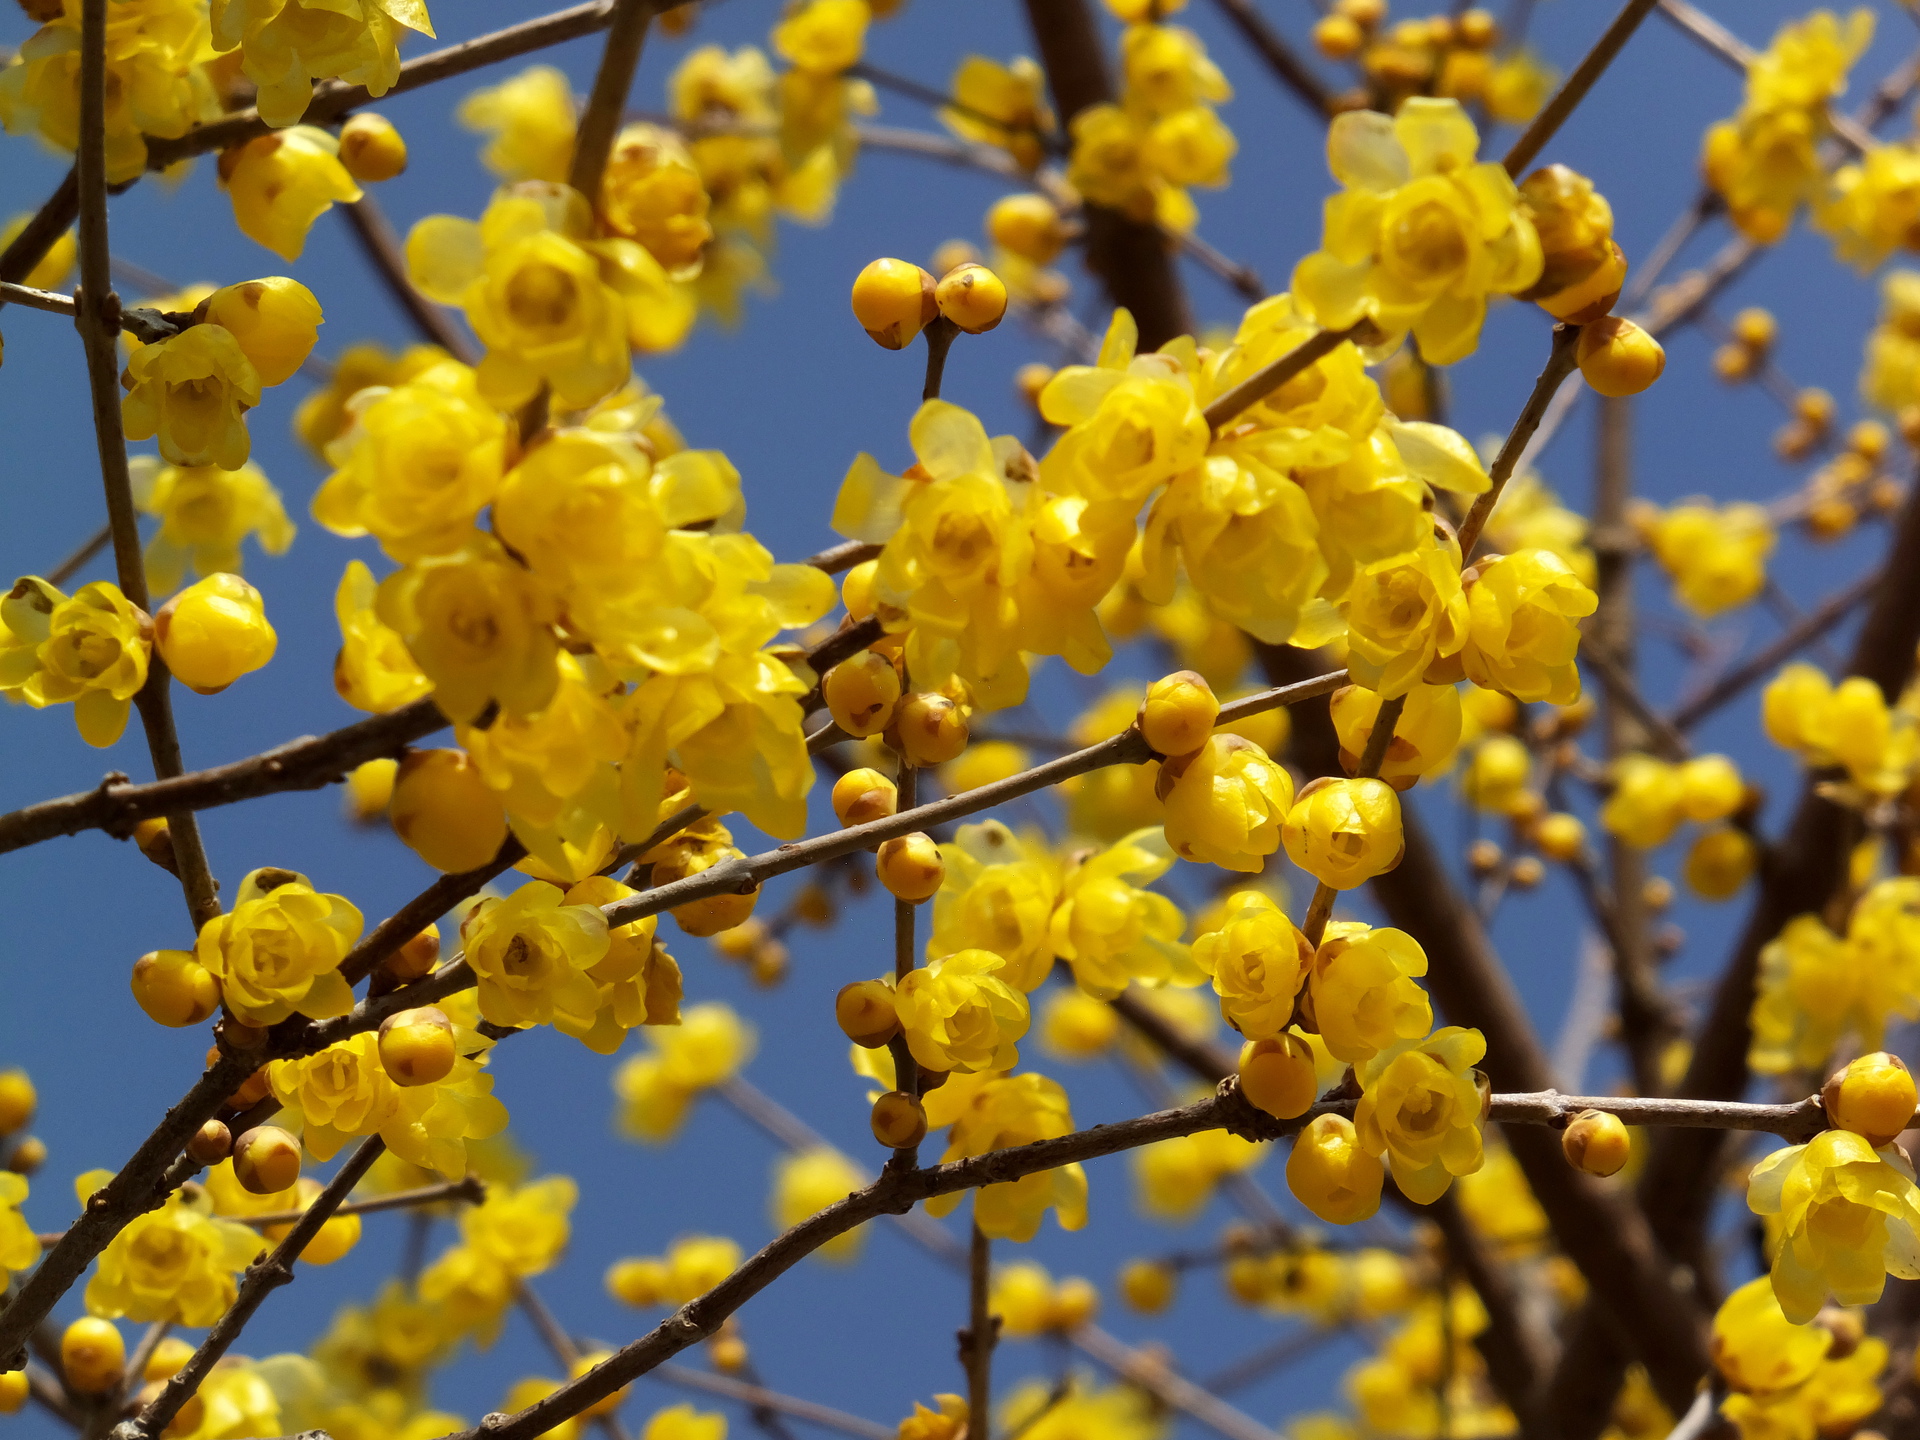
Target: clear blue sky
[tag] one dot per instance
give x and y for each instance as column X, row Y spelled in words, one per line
column 791, row 397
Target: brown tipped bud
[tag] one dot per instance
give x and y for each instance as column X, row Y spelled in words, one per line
column 266, row 1160
column 211, row 1143
column 1596, row 1142
column 899, row 1120
column 1873, row 1096
column 29, row 1154
column 862, row 796
column 416, row 958
column 416, row 1046
column 910, row 867
column 155, row 840
column 865, row 1012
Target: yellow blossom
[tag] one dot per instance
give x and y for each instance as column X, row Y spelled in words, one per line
column 999, row 895
column 286, row 46
column 281, row 183
column 19, row 1246
column 531, row 953
column 205, row 512
column 1847, row 1215
column 1225, row 803
column 1174, row 1179
column 806, row 1183
column 1364, row 996
column 1258, row 961
column 1016, row 1110
column 1004, row 105
column 176, row 1263
column 278, row 951
column 192, row 392
column 1344, row 832
column 530, row 118
column 1404, row 613
column 1113, row 930
column 91, row 648
column 1420, row 1107
column 957, row 1014
column 1716, row 558
column 522, row 1228
column 374, row 670
column 1521, row 637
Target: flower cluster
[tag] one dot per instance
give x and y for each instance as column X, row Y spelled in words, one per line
column 1816, row 987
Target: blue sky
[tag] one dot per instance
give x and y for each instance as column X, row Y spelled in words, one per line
column 791, row 397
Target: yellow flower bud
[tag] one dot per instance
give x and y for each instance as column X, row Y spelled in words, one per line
column 638, row 1282
column 1617, row 358
column 155, row 839
column 18, row 1100
column 210, row 1144
column 415, row 958
column 894, row 301
column 910, row 867
column 213, row 632
column 865, row 1012
column 371, row 149
column 856, row 591
column 1364, row 996
column 1425, row 737
column 276, row 322
column 1029, row 225
column 174, row 988
column 1721, row 862
column 1331, row 1175
column 266, row 1160
column 1277, row 1076
column 13, row 1392
column 608, row 1404
column 986, row 764
column 930, row 728
column 861, row 693
column 972, row 297
column 28, row 1156
column 370, row 789
column 1596, row 1142
column 1337, row 37
column 1755, row 328
column 1224, row 802
column 1710, row 788
column 168, row 1358
column 1075, row 1026
column 728, row 1352
column 1148, row 1286
column 1344, row 832
column 1873, row 1096
column 446, row 813
column 1560, row 836
column 714, row 913
column 93, row 1356
column 899, row 1120
column 1646, row 805
column 1178, row 713
column 416, row 1046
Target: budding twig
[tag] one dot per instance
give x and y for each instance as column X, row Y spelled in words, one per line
column 1560, row 364
column 1548, row 122
column 470, row 1191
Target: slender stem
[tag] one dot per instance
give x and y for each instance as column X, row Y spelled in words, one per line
column 261, row 1279
column 1661, row 733
column 1560, row 364
column 940, row 334
column 470, row 1191
column 1287, row 66
column 758, row 1397
column 978, row 1339
column 89, row 548
column 1548, row 122
column 1271, row 376
column 52, row 303
column 381, row 245
column 844, row 556
column 600, row 123
column 906, row 1071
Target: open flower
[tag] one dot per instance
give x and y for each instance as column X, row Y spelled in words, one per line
column 957, row 1014
column 193, row 391
column 278, row 951
column 1847, row 1216
column 1420, row 1108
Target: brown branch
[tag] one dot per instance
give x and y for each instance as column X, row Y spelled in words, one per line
column 263, row 1277
column 1560, row 364
column 1548, row 122
column 758, row 1397
column 1809, row 628
column 89, row 548
column 977, row 1340
column 423, row 910
column 1128, row 257
column 1723, row 44
column 381, row 246
column 1276, row 1355
column 1245, row 281
column 1287, row 67
column 844, row 556
column 1152, row 1374
column 554, row 1336
column 1662, row 736
column 1275, row 373
column 607, row 102
column 48, row 224
column 470, row 1191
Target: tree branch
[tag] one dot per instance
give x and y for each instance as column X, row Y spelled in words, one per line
column 1287, row 66
column 382, row 247
column 1548, row 122
column 607, row 103
column 758, row 1397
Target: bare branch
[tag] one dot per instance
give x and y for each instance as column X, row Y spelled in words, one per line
column 382, row 247
column 1560, row 364
column 1548, row 122
column 600, row 122
column 758, row 1397
column 1287, row 66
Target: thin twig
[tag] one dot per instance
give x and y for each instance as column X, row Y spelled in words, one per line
column 600, row 122
column 381, row 245
column 1271, row 376
column 470, row 1191
column 1663, row 735
column 760, row 1398
column 1287, row 67
column 1560, row 364
column 1548, row 122
column 977, row 1340
column 89, row 548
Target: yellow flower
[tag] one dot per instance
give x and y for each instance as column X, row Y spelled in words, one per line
column 1847, row 1215
column 1258, row 961
column 1132, row 420
column 205, row 512
column 711, row 1044
column 1112, row 929
column 1422, row 235
column 419, row 462
column 1420, row 1107
column 193, row 391
column 638, row 981
column 1004, row 105
column 808, row 1182
column 697, row 1263
column 1424, row 738
column 275, row 321
column 1174, row 1179
column 91, row 648
column 1530, row 516
column 1016, row 1110
column 1364, row 997
column 1648, row 801
column 479, row 626
column 278, row 951
column 999, row 895
column 213, row 632
column 1757, row 1350
column 1520, row 635
column 1075, row 1027
column 19, row 1246
column 1403, row 614
column 523, row 1229
column 374, row 670
column 957, row 1014
column 1849, row 725
column 823, row 36
column 1344, row 832
column 281, row 183
column 683, row 1422
column 1715, row 558
column 530, row 118
column 653, row 193
column 531, row 953
column 324, row 415
column 1331, row 1174
column 286, row 45
column 176, row 1264
column 470, row 1289
column 1225, row 803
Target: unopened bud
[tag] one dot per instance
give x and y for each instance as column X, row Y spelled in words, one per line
column 1596, row 1142
column 865, row 1012
column 899, row 1120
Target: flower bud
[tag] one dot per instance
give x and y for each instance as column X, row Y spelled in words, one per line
column 1344, row 832
column 416, row 958
column 213, row 632
column 93, row 1356
column 910, row 867
column 1477, row 29
column 929, row 727
column 728, row 1352
column 155, row 839
column 1030, row 379
column 710, row 914
column 1276, row 1075
column 370, row 789
column 856, row 590
column 1560, row 836
column 371, row 149
column 266, row 1160
column 899, row 1120
column 1178, row 713
column 211, row 1143
column 13, row 1390
column 1029, row 225
column 1526, row 872
column 1596, row 1142
column 607, row 1404
column 174, row 988
column 863, row 796
column 972, row 297
column 416, row 1046
column 1721, row 862
column 894, row 301
column 1756, row 329
column 1484, row 857
column 446, row 812
column 1147, row 1286
column 1338, row 37
column 29, row 1154
column 865, row 1012
column 168, row 1359
column 276, row 322
column 638, row 1282
column 251, row 1091
column 1330, row 1174
column 18, row 1100
column 1617, row 358
column 861, row 692
column 1873, row 1096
